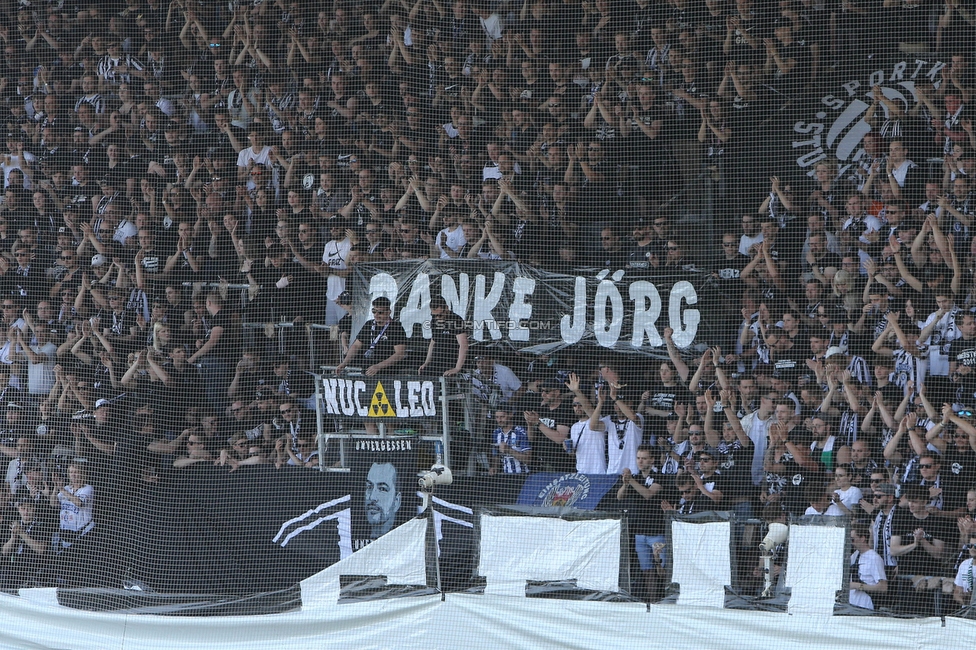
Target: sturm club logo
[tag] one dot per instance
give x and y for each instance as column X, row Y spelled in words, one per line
column 565, row 491
column 835, row 127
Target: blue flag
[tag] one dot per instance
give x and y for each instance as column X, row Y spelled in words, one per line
column 583, row 491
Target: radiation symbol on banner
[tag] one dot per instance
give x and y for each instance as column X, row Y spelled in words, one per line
column 379, row 406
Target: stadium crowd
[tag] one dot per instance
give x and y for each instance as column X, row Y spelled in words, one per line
column 188, row 185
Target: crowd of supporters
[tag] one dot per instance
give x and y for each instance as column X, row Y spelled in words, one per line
column 188, row 185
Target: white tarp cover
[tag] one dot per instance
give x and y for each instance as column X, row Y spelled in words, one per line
column 471, row 621
column 516, row 549
column 35, row 620
column 702, row 562
column 398, row 555
column 815, row 568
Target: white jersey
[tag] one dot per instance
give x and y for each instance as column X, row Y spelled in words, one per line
column 74, row 518
column 590, row 447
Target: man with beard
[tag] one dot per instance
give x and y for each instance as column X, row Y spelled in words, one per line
column 382, row 498
column 553, row 419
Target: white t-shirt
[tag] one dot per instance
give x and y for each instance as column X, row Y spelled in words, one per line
column 850, row 497
column 453, row 239
column 964, row 577
column 334, row 256
column 831, row 511
column 245, row 156
column 746, row 242
column 590, row 447
column 870, row 571
column 40, row 376
column 623, row 439
column 505, row 380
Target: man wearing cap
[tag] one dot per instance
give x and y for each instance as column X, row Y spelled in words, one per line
column 553, row 419
column 512, row 451
column 708, row 479
column 448, row 347
column 27, row 279
column 14, row 428
column 644, row 246
column 379, row 347
column 492, row 382
column 837, row 361
column 834, row 320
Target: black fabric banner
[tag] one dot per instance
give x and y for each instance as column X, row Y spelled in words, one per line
column 258, row 529
column 512, row 305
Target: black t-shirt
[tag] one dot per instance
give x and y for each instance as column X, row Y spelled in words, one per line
column 379, row 343
column 444, row 333
column 714, row 482
column 729, row 272
column 224, row 350
column 797, row 479
column 918, row 561
column 24, row 561
column 639, row 257
column 963, row 352
column 644, row 516
column 735, row 463
column 549, row 455
column 959, row 474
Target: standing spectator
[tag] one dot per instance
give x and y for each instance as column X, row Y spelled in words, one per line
column 640, row 494
column 963, row 584
column 447, row 351
column 72, row 543
column 918, row 541
column 625, row 433
column 512, row 451
column 871, row 577
column 216, row 351
column 382, row 347
column 588, row 438
column 28, row 549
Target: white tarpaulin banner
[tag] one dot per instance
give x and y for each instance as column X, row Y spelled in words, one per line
column 516, row 549
column 702, row 562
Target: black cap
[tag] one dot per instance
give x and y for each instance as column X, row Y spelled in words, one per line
column 552, row 384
